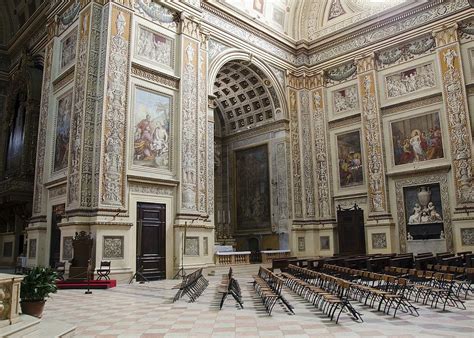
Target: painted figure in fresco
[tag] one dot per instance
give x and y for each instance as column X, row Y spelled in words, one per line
column 410, row 81
column 62, row 134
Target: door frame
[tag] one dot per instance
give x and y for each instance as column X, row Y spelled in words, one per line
column 354, row 208
column 169, row 202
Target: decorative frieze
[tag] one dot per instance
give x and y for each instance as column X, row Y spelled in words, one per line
column 113, row 247
column 189, row 123
column 295, row 154
column 321, row 152
column 57, row 191
column 115, row 117
column 151, row 75
column 467, row 236
column 151, row 189
column 372, row 137
column 307, row 154
column 157, row 13
column 345, row 72
column 215, row 48
column 43, row 120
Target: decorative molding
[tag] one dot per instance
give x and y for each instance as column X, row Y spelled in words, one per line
column 58, row 191
column 154, row 76
column 421, row 180
column 151, row 189
column 113, row 247
column 379, row 240
column 412, row 105
column 64, row 79
column 295, row 154
column 345, row 72
column 308, row 182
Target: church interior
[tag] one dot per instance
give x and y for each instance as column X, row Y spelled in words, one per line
column 318, row 152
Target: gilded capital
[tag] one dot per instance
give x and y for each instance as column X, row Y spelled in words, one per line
column 446, row 35
column 365, row 63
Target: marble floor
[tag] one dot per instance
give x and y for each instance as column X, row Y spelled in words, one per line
column 146, row 310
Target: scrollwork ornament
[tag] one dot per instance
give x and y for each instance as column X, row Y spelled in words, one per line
column 295, row 154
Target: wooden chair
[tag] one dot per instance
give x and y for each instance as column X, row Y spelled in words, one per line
column 104, row 270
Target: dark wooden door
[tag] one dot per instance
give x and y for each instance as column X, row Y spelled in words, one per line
column 151, row 240
column 55, row 242
column 350, row 230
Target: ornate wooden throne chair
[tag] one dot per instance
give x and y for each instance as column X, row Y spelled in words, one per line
column 82, row 246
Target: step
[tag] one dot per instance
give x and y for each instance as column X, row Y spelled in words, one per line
column 52, row 328
column 26, row 325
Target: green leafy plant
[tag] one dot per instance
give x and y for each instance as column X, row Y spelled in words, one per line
column 38, row 284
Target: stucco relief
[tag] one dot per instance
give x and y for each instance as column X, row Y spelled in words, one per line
column 379, row 240
column 406, row 52
column 215, row 48
column 402, row 217
column 307, row 154
column 295, row 154
column 210, row 168
column 43, row 120
column 75, row 150
column 154, row 47
column 321, row 151
column 458, row 122
column 202, row 129
column 156, row 13
column 115, row 119
column 410, row 81
column 189, row 107
column 373, row 143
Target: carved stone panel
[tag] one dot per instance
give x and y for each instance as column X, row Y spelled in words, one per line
column 307, row 142
column 113, row 247
column 191, row 247
column 301, row 244
column 324, row 243
column 154, row 47
column 67, row 248
column 379, row 240
column 467, row 236
column 202, row 131
column 32, row 248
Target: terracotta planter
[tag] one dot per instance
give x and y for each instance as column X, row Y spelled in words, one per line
column 33, row 308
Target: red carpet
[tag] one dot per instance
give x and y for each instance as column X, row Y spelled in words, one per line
column 94, row 284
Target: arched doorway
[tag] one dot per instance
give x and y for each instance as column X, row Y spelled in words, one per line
column 251, row 152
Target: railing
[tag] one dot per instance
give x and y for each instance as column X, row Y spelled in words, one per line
column 232, row 258
column 269, row 255
column 9, row 298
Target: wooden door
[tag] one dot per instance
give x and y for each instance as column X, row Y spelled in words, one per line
column 350, row 230
column 55, row 239
column 151, row 240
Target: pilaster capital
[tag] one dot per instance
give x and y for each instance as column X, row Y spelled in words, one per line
column 365, row 63
column 189, row 26
column 446, row 35
column 295, row 81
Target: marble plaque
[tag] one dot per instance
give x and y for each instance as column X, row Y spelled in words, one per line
column 67, row 248
column 191, row 247
column 113, row 247
column 32, row 248
column 379, row 240
column 467, row 236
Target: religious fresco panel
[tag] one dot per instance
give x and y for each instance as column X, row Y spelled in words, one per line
column 63, row 126
column 252, row 188
column 151, row 123
column 350, row 159
column 345, row 100
column 424, row 212
column 417, row 139
column 68, row 50
column 154, row 47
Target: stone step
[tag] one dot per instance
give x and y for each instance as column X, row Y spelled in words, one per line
column 52, row 328
column 27, row 324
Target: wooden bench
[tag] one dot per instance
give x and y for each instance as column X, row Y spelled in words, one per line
column 230, row 286
column 269, row 286
column 192, row 285
column 281, row 263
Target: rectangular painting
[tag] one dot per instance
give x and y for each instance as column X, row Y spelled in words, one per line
column 258, row 5
column 252, row 188
column 410, row 81
column 63, row 126
column 155, row 47
column 350, row 159
column 423, row 211
column 151, row 123
column 417, row 139
column 68, row 49
column 345, row 100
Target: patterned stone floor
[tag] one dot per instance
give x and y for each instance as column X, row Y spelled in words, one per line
column 146, row 310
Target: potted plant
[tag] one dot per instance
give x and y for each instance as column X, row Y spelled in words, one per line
column 38, row 283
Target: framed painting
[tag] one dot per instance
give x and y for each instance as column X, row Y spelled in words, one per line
column 68, row 50
column 61, row 135
column 252, row 188
column 345, row 100
column 350, row 164
column 410, row 81
column 417, row 139
column 423, row 211
column 154, row 47
column 151, row 128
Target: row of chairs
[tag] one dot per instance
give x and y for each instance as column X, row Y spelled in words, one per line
column 434, row 287
column 269, row 287
column 325, row 292
column 230, row 286
column 462, row 277
column 192, row 285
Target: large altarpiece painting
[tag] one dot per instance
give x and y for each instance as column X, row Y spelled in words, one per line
column 252, row 188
